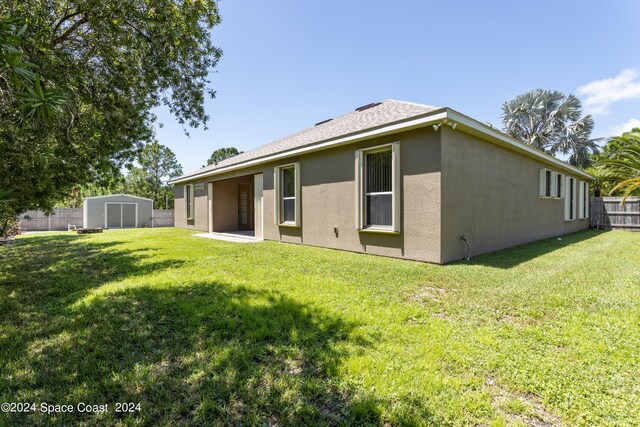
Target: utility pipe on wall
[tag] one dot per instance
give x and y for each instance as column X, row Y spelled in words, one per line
column 464, row 239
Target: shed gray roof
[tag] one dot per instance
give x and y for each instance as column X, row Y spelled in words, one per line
column 384, row 113
column 117, row 195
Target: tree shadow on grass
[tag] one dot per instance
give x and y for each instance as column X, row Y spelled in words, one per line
column 205, row 353
column 512, row 257
column 63, row 268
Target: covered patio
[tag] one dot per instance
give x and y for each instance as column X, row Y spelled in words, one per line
column 235, row 208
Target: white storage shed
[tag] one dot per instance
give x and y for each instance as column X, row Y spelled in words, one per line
column 117, row 211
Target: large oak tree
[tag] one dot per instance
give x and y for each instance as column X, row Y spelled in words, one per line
column 156, row 165
column 98, row 68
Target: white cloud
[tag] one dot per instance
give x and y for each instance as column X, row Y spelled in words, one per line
column 625, row 127
column 600, row 94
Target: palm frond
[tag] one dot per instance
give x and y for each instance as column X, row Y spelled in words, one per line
column 629, row 186
column 549, row 120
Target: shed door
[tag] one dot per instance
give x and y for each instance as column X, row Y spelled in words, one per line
column 114, row 212
column 128, row 215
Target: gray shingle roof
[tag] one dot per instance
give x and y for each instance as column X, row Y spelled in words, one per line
column 386, row 112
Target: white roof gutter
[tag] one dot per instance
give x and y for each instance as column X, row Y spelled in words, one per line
column 466, row 123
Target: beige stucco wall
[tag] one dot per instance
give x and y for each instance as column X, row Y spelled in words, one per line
column 491, row 195
column 452, row 184
column 328, row 198
column 200, row 219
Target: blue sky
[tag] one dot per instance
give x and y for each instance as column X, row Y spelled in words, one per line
column 290, row 64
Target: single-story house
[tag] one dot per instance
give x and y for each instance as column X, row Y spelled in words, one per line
column 390, row 178
column 117, row 211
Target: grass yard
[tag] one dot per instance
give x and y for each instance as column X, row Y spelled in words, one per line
column 205, row 332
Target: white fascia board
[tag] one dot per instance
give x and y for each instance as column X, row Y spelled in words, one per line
column 511, row 143
column 421, row 121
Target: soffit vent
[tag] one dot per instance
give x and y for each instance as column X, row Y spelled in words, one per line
column 366, row 107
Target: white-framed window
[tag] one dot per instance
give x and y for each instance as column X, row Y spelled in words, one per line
column 546, row 182
column 583, row 204
column 551, row 184
column 287, row 195
column 559, row 186
column 378, row 188
column 188, row 201
column 571, row 199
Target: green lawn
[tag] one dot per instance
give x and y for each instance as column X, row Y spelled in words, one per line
column 206, row 332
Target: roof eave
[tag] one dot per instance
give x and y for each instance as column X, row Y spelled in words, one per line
column 402, row 125
column 465, row 123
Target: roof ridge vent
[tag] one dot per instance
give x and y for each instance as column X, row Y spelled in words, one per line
column 322, row 122
column 366, row 107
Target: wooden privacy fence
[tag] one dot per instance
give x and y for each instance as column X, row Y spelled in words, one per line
column 607, row 214
column 62, row 218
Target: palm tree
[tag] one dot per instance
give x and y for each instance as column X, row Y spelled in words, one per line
column 550, row 121
column 603, row 179
column 624, row 163
column 614, row 144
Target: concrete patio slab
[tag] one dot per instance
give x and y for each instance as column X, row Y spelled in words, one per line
column 233, row 236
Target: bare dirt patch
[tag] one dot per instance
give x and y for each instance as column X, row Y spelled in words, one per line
column 429, row 293
column 432, row 297
column 516, row 321
column 521, row 408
